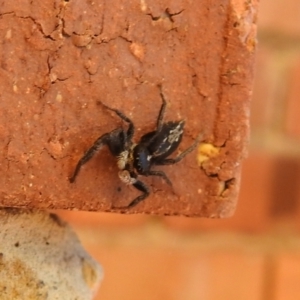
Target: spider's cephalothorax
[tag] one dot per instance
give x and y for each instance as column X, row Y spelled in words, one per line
column 138, row 159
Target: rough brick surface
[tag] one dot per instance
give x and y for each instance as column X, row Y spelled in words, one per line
column 58, row 58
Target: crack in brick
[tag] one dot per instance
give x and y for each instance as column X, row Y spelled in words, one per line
column 165, row 15
column 7, row 13
column 39, row 26
column 5, row 152
column 227, row 184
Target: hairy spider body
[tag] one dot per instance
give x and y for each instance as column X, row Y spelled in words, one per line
column 153, row 148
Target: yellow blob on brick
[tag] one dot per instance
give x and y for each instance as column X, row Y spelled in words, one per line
column 205, row 152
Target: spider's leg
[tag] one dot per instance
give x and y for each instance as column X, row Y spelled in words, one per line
column 172, row 161
column 160, row 117
column 130, row 130
column 141, row 186
column 101, row 141
column 160, row 174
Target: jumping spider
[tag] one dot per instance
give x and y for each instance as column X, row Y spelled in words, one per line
column 137, row 159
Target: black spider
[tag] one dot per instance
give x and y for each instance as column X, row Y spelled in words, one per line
column 137, row 159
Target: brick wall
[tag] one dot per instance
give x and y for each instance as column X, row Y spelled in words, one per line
column 256, row 253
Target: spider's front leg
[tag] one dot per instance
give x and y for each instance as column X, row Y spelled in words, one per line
column 115, row 140
column 130, row 130
column 101, row 141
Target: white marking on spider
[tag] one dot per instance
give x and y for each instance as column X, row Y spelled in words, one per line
column 176, row 133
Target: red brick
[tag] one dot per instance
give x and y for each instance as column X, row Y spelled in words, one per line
column 280, row 16
column 293, row 102
column 202, row 57
column 136, row 273
column 253, row 210
column 136, row 267
column 236, row 275
column 287, row 276
column 154, row 272
column 285, row 194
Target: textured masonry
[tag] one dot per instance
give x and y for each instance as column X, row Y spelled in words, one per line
column 59, row 58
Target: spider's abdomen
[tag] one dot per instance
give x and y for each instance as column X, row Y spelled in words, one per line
column 167, row 141
column 141, row 159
